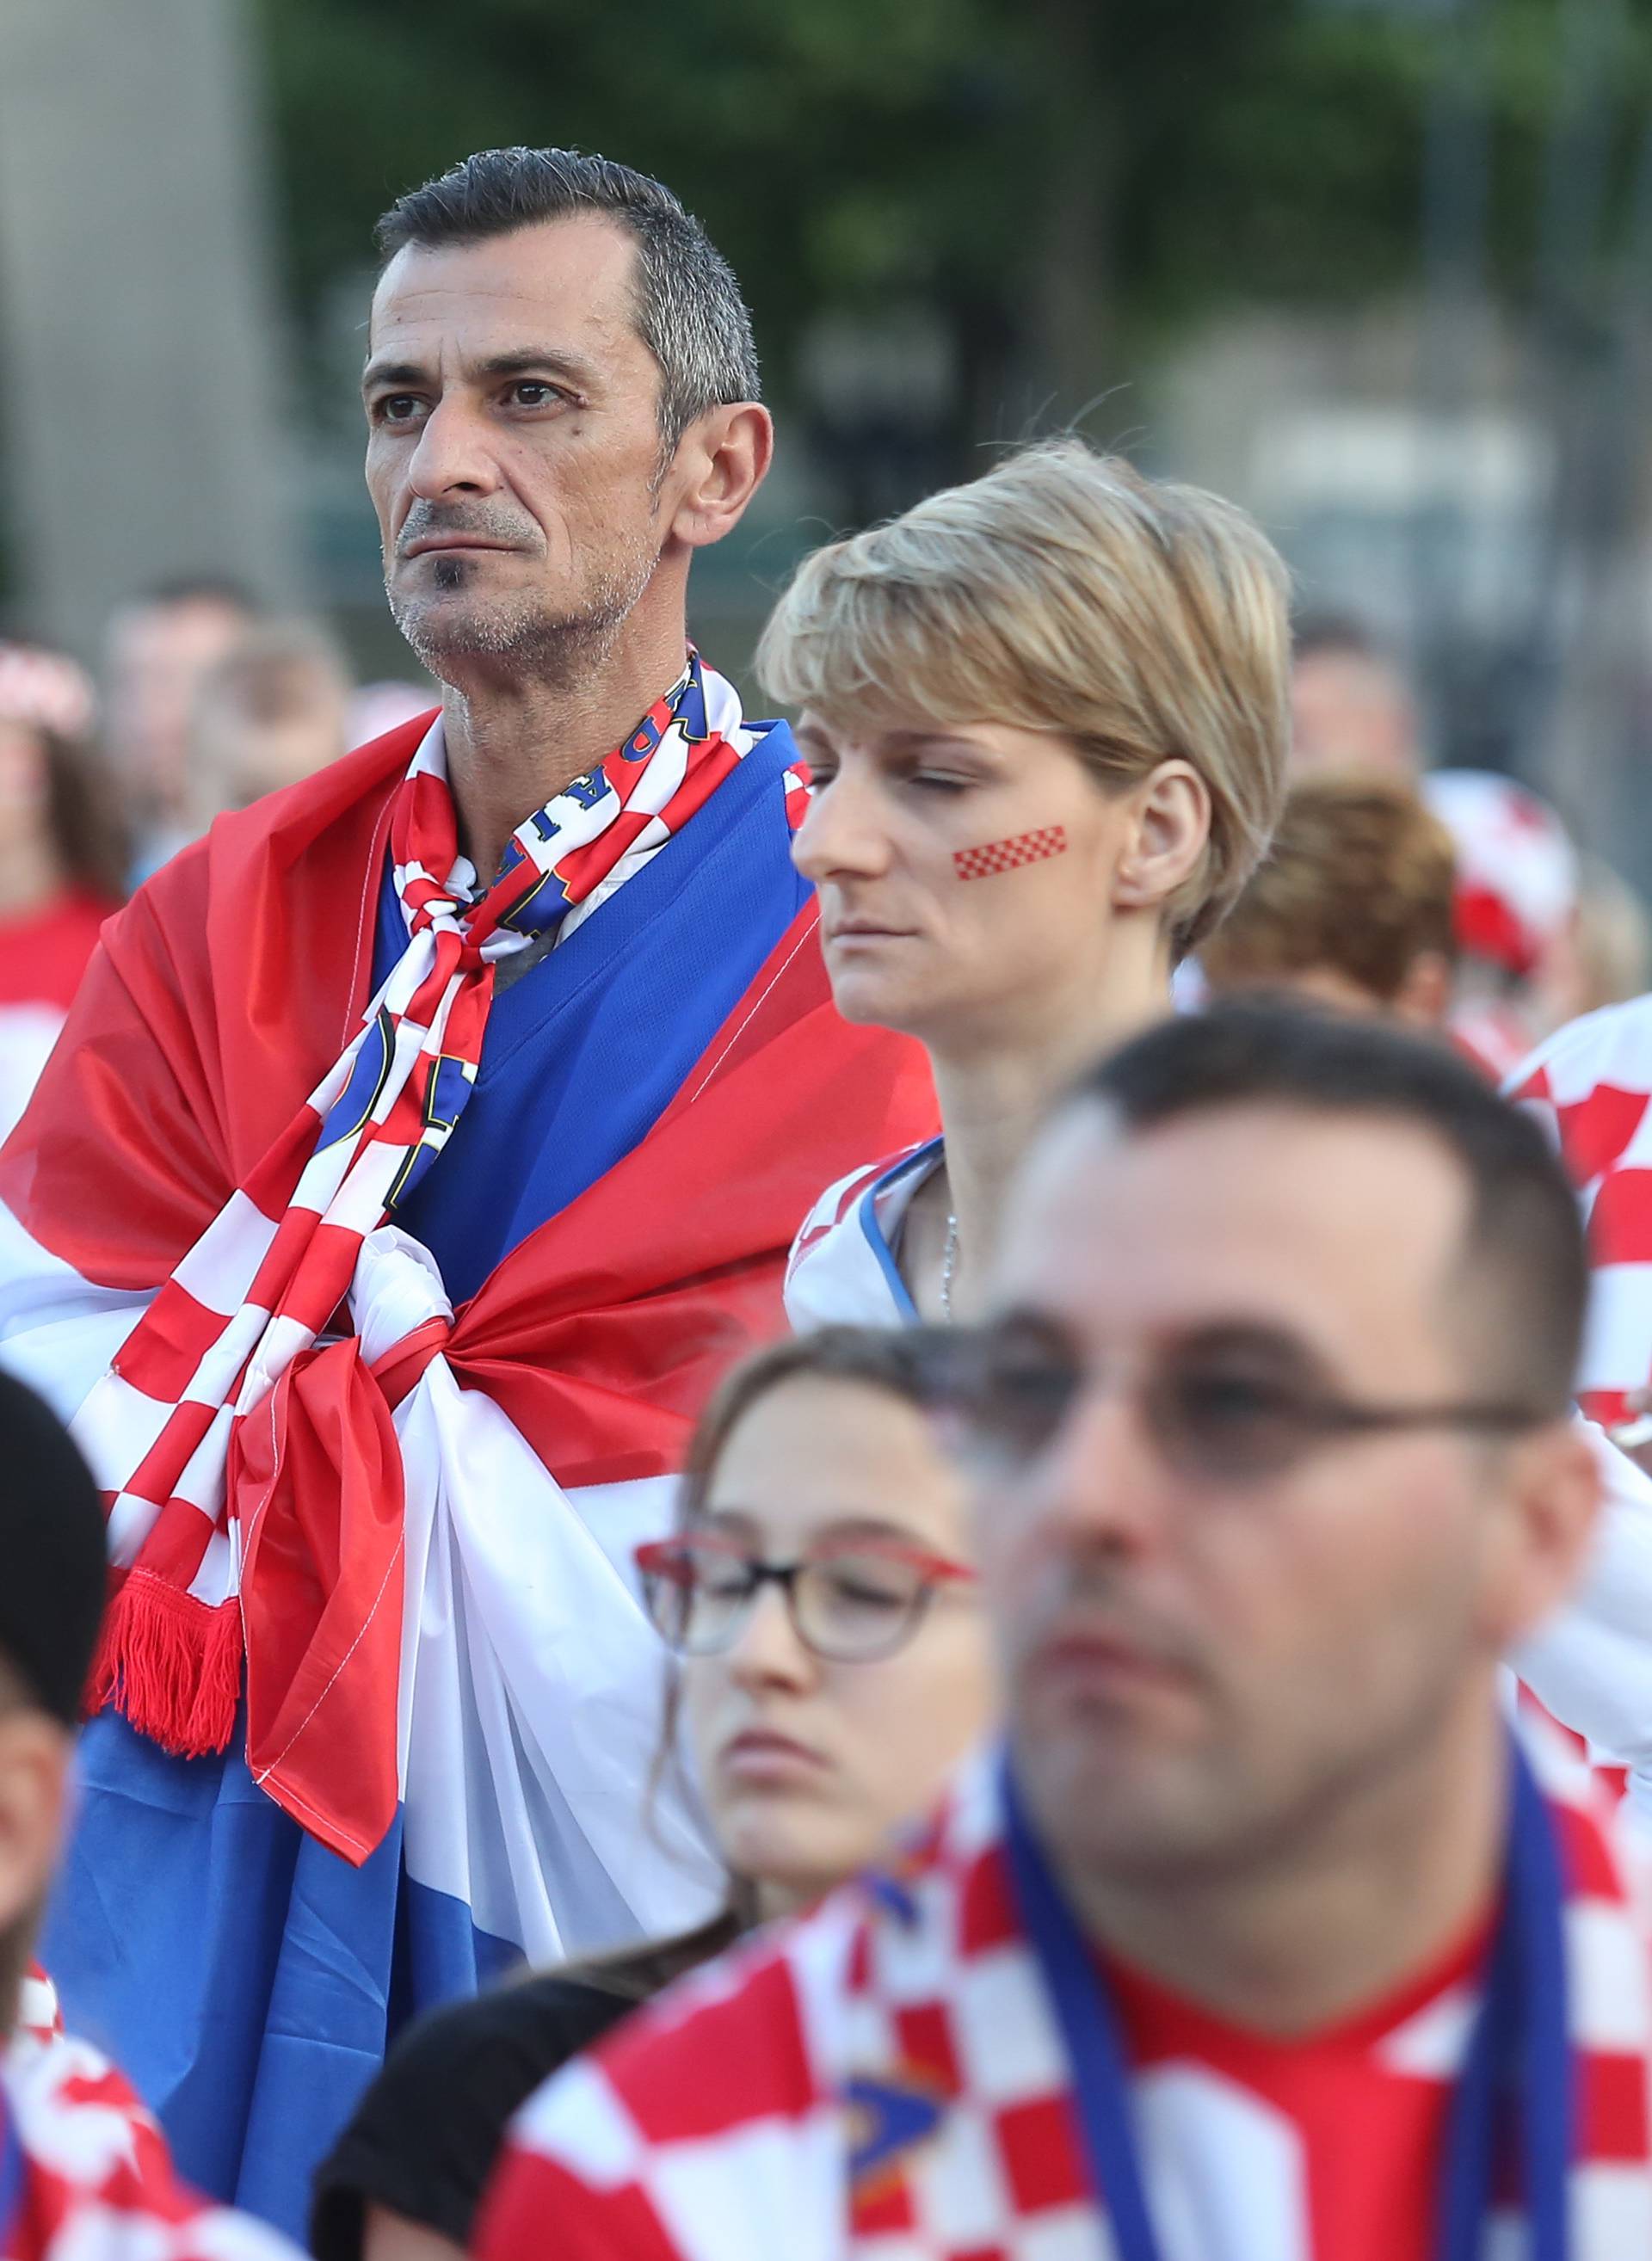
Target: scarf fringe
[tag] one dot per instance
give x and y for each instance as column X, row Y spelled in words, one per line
column 170, row 1665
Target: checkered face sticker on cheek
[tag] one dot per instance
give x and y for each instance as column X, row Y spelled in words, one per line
column 1010, row 855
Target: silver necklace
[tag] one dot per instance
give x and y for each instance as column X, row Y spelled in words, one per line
column 949, row 1264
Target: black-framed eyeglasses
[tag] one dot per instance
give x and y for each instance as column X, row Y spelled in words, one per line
column 848, row 1604
column 1009, row 1393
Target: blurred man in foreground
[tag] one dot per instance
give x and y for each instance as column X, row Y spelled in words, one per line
column 425, row 1143
column 1350, row 908
column 84, row 2174
column 1262, row 1937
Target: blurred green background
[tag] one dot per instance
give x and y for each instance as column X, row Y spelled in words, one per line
column 1380, row 268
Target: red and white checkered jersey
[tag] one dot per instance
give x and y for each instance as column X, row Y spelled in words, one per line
column 39, row 2013
column 98, row 2184
column 1592, row 1084
column 886, row 2081
column 842, row 1268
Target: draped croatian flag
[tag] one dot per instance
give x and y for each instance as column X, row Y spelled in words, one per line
column 383, row 1306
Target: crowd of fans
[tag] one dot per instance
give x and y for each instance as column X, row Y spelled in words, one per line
column 1080, row 1657
column 200, row 703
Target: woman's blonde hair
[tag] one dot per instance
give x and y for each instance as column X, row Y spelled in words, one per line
column 1064, row 592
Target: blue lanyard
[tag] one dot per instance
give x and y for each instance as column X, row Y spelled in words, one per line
column 1520, row 2044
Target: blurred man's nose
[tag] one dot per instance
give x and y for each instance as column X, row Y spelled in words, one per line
column 843, row 833
column 453, row 455
column 1103, row 1481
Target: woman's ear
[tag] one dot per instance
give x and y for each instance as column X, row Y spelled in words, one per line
column 1170, row 824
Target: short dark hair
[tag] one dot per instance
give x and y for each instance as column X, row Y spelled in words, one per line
column 689, row 312
column 1525, row 1231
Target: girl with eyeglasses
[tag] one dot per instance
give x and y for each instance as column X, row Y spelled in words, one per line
column 1046, row 717
column 830, row 1668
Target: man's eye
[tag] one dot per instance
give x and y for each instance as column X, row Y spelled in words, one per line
column 535, row 392
column 937, row 781
column 1238, row 1400
column 396, row 407
column 819, row 778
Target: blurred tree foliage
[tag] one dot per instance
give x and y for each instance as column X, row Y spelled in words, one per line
column 1062, row 179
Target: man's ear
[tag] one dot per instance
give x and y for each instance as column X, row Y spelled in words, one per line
column 720, row 461
column 1171, row 824
column 1554, row 1491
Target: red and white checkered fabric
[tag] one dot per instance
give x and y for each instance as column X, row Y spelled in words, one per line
column 885, row 2082
column 98, row 2183
column 1592, row 1084
column 39, row 2013
column 1517, row 869
column 842, row 1269
column 1008, row 855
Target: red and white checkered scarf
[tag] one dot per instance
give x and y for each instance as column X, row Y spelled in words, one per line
column 886, row 2080
column 180, row 1430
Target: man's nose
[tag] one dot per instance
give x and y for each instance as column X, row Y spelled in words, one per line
column 1103, row 1481
column 454, row 454
column 842, row 835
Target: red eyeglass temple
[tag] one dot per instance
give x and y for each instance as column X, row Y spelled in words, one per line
column 667, row 1556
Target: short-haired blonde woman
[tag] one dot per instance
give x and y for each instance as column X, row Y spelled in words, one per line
column 1047, row 718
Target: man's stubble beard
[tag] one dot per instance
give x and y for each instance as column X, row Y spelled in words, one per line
column 515, row 636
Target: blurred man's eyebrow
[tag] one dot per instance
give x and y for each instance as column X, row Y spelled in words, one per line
column 515, row 361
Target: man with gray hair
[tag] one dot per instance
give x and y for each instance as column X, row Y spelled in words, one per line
column 425, row 1142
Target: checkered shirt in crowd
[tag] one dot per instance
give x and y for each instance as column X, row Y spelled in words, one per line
column 885, row 2081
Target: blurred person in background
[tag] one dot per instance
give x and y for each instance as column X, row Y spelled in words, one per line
column 1516, row 900
column 272, row 710
column 377, row 708
column 158, row 648
column 1604, row 957
column 1350, row 908
column 426, row 1143
column 1045, row 719
column 84, row 2174
column 833, row 1668
column 1352, row 708
column 62, row 858
column 1264, row 1936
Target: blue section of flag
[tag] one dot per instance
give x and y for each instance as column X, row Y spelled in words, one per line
column 244, row 1977
column 585, row 1053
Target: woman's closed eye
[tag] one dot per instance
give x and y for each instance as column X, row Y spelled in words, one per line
column 864, row 1585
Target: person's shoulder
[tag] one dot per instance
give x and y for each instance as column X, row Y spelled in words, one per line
column 102, row 2184
column 819, row 1289
column 539, row 2022
column 1590, row 1083
column 1612, row 1045
column 739, row 2040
